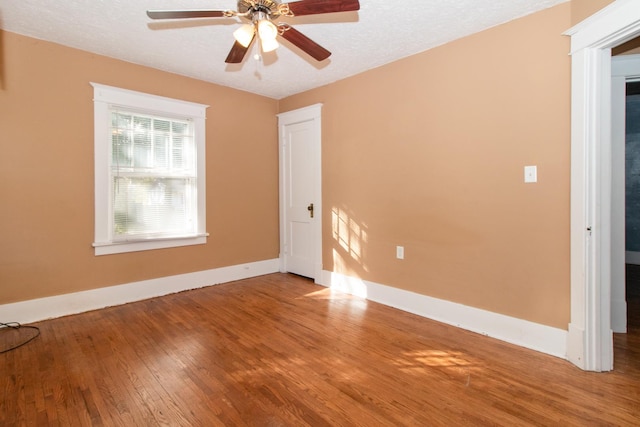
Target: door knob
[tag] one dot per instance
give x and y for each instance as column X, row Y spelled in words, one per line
column 310, row 209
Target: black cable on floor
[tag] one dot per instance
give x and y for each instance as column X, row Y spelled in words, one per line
column 16, row 325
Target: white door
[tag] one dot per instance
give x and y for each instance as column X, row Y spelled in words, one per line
column 300, row 192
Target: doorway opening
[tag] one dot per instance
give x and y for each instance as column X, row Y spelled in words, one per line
column 627, row 342
column 625, row 203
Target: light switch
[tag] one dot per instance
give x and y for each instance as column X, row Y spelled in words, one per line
column 530, row 174
column 400, row 252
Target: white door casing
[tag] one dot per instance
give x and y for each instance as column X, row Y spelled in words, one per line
column 590, row 337
column 300, row 191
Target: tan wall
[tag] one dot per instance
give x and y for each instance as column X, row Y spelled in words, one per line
column 46, row 173
column 582, row 9
column 428, row 152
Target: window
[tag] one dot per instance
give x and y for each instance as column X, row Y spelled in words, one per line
column 149, row 171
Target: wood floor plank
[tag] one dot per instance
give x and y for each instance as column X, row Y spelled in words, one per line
column 278, row 350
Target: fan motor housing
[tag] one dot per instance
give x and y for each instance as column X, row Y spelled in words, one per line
column 269, row 7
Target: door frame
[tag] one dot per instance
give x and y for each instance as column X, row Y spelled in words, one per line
column 590, row 338
column 311, row 113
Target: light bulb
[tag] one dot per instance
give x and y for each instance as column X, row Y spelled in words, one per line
column 267, row 30
column 244, row 35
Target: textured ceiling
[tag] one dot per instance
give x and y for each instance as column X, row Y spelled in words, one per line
column 381, row 32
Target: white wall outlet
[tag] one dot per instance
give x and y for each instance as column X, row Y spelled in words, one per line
column 400, row 252
column 530, row 174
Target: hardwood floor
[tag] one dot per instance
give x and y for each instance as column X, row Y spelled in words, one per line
column 278, row 350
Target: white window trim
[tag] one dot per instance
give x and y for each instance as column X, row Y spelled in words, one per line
column 104, row 98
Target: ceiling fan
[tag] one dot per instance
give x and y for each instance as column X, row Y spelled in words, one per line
column 260, row 15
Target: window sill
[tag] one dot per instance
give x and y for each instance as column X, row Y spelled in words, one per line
column 109, row 248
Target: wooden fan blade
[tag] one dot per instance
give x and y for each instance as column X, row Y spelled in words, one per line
column 181, row 14
column 314, row 7
column 306, row 44
column 237, row 53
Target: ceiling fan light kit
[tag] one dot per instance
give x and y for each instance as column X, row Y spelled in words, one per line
column 267, row 31
column 269, row 45
column 244, row 35
column 260, row 14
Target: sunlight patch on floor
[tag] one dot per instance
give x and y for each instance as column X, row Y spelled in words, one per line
column 328, row 294
column 435, row 358
column 453, row 364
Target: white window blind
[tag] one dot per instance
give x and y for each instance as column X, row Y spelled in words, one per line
column 153, row 175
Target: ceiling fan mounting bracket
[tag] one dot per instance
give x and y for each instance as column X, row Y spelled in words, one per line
column 271, row 8
column 268, row 7
column 284, row 10
column 282, row 27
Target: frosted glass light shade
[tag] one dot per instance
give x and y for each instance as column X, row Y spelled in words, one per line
column 244, row 35
column 269, row 45
column 267, row 30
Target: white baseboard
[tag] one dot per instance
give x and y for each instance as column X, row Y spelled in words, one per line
column 63, row 305
column 520, row 332
column 632, row 257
